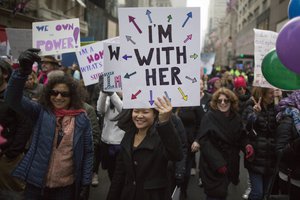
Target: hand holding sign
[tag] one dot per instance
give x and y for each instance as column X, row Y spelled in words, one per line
column 164, row 107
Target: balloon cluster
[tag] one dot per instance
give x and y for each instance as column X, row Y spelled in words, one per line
column 281, row 66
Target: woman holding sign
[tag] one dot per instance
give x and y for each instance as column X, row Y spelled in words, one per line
column 149, row 142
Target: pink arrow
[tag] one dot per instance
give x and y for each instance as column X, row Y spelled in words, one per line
column 133, row 96
column 131, row 19
column 189, row 37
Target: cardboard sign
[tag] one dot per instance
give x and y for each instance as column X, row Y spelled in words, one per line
column 264, row 41
column 90, row 58
column 56, row 37
column 161, row 55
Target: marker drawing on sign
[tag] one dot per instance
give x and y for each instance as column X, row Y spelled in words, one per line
column 167, row 95
column 128, row 75
column 134, row 96
column 151, row 101
column 148, row 12
column 185, row 97
column 128, row 38
column 125, row 57
column 192, row 79
column 188, row 37
column 194, row 56
column 189, row 15
column 75, row 34
column 131, row 19
column 169, row 18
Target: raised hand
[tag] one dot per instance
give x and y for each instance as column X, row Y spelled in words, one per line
column 164, row 107
column 257, row 105
column 26, row 60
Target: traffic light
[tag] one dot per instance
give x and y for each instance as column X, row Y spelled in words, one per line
column 245, row 56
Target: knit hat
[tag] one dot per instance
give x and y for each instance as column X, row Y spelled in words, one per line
column 239, row 82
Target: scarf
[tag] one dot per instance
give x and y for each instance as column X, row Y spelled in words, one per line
column 64, row 112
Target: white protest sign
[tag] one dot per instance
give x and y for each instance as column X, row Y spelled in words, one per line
column 112, row 74
column 90, row 59
column 56, row 37
column 19, row 40
column 161, row 53
column 264, row 41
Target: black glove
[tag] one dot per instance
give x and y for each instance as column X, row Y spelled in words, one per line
column 179, row 179
column 296, row 145
column 26, row 60
column 84, row 192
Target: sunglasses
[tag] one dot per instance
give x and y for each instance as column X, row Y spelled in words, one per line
column 226, row 101
column 240, row 89
column 56, row 93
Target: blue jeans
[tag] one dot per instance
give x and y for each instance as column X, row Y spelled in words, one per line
column 259, row 185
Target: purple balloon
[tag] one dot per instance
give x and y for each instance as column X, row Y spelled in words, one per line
column 288, row 45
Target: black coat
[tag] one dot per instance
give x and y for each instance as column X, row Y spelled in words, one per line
column 286, row 134
column 220, row 142
column 141, row 173
column 262, row 140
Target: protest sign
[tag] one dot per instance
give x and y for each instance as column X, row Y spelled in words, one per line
column 56, row 37
column 264, row 41
column 90, row 58
column 161, row 53
column 19, row 40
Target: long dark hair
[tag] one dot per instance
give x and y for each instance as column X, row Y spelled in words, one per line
column 75, row 91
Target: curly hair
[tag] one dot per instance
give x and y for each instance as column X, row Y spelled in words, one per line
column 75, row 91
column 234, row 101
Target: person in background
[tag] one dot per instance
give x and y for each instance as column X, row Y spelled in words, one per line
column 213, row 84
column 48, row 64
column 149, row 143
column 260, row 122
column 59, row 163
column 221, row 140
column 16, row 131
column 33, row 88
column 288, row 145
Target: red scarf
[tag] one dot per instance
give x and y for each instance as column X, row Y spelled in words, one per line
column 64, row 112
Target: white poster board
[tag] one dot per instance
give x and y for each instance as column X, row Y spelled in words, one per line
column 112, row 74
column 264, row 41
column 161, row 51
column 19, row 40
column 90, row 59
column 56, row 37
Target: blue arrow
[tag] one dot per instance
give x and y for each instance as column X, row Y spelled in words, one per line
column 148, row 12
column 151, row 98
column 189, row 15
column 167, row 96
column 125, row 57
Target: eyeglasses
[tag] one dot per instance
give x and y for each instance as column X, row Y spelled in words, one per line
column 56, row 93
column 226, row 101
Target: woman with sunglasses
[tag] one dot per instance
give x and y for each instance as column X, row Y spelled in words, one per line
column 220, row 140
column 260, row 122
column 59, row 163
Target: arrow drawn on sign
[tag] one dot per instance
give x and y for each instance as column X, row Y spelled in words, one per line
column 169, row 18
column 134, row 96
column 151, row 101
column 128, row 38
column 192, row 79
column 125, row 57
column 128, row 75
column 167, row 95
column 188, row 37
column 185, row 97
column 189, row 15
column 148, row 12
column 194, row 56
column 132, row 19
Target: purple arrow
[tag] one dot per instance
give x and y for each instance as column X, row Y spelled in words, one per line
column 189, row 15
column 125, row 57
column 128, row 38
column 148, row 12
column 151, row 101
column 189, row 37
column 131, row 19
